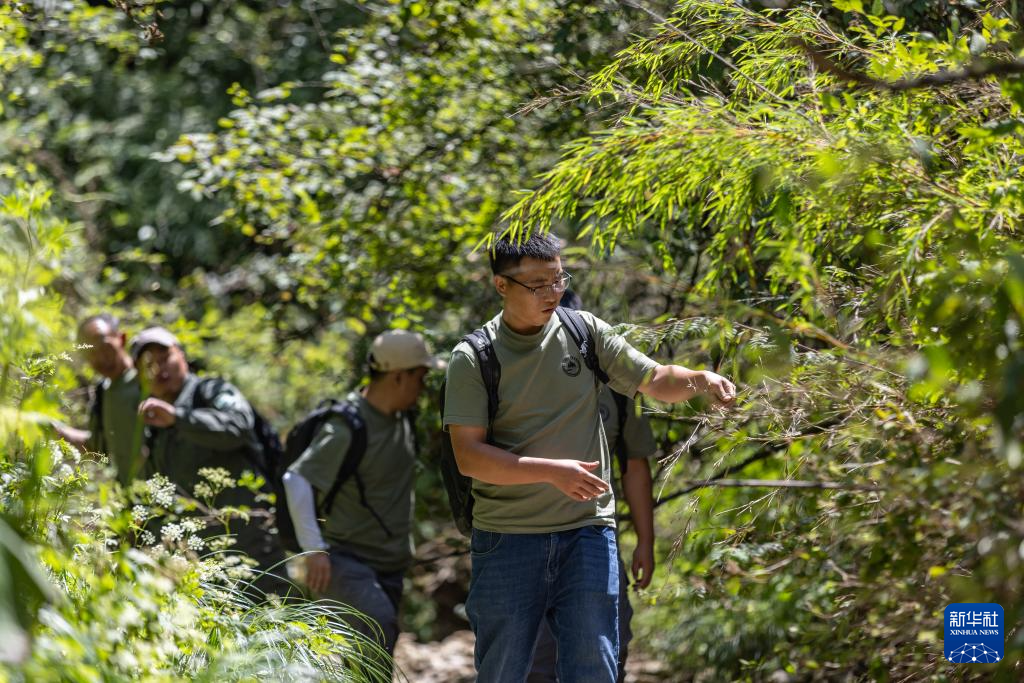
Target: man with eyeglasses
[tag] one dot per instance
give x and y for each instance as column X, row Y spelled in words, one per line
column 543, row 544
column 114, row 428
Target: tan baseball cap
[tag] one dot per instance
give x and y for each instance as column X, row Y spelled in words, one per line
column 153, row 335
column 402, row 350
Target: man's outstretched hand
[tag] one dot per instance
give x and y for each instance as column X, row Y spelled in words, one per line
column 721, row 391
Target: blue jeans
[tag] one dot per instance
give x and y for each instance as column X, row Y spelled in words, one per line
column 545, row 656
column 570, row 578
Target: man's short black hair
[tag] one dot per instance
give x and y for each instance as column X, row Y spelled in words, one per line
column 507, row 253
column 112, row 323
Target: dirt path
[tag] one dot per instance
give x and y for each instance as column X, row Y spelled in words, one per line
column 451, row 661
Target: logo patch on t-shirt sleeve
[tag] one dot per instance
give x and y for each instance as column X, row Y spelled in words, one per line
column 570, row 366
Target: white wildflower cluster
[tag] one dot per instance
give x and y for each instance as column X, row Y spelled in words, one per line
column 217, row 476
column 196, row 543
column 203, row 491
column 179, row 563
column 240, row 572
column 140, row 513
column 147, row 538
column 65, row 473
column 193, row 525
column 161, row 490
column 171, row 532
column 218, row 543
column 208, row 570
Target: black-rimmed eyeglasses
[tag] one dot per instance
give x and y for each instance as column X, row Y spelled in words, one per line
column 556, row 287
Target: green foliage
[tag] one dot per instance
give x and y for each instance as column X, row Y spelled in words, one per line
column 359, row 200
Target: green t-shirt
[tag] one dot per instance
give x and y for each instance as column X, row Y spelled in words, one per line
column 387, row 473
column 547, row 408
column 120, row 434
column 637, row 435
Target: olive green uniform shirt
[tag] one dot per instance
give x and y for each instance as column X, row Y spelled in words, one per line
column 387, row 471
column 115, row 426
column 547, row 408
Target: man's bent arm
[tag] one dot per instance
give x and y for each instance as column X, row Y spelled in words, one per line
column 480, row 460
column 637, row 490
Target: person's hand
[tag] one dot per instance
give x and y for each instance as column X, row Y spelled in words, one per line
column 318, row 571
column 721, row 391
column 643, row 565
column 157, row 413
column 574, row 479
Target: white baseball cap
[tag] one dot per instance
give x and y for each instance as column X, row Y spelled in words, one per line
column 402, row 350
column 153, row 335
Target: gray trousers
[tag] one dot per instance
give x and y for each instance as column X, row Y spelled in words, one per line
column 377, row 595
column 544, row 669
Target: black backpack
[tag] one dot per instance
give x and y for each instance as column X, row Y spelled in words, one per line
column 459, row 486
column 299, row 439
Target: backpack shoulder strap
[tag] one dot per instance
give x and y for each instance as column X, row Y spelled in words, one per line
column 350, row 465
column 411, row 416
column 205, row 388
column 581, row 335
column 490, row 369
column 356, row 448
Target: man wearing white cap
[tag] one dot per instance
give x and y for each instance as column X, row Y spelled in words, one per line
column 196, row 422
column 365, row 541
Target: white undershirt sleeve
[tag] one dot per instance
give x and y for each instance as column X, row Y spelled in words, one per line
column 302, row 506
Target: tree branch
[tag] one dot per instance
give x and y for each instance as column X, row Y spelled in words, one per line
column 785, row 484
column 972, row 71
column 761, row 454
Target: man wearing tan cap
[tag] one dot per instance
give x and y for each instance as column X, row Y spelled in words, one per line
column 198, row 422
column 364, row 545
